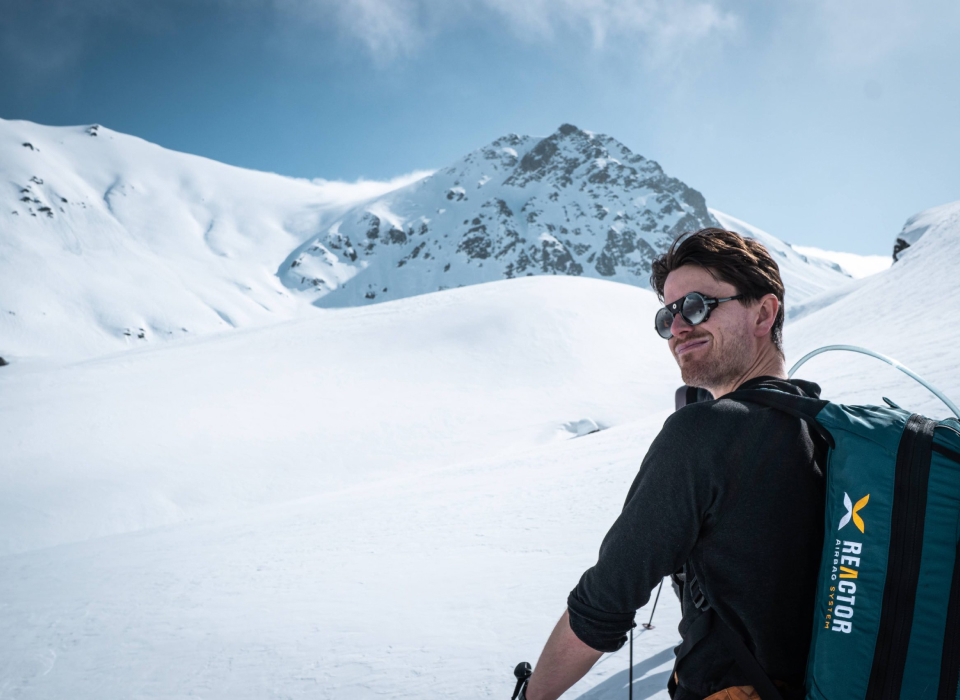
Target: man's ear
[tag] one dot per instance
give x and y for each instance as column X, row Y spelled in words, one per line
column 767, row 308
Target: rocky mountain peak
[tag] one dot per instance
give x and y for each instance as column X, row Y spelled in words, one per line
column 573, row 202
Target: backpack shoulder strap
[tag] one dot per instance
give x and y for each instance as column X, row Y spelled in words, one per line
column 710, row 622
column 802, row 407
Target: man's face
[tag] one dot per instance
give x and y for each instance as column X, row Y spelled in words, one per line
column 721, row 349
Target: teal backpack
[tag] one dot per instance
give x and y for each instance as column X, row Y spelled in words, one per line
column 887, row 615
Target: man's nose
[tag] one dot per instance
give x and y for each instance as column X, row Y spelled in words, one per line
column 678, row 325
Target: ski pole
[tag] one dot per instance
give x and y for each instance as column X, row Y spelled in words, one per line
column 523, row 671
column 630, row 692
column 649, row 625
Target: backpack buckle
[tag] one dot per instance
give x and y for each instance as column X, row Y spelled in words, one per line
column 696, row 594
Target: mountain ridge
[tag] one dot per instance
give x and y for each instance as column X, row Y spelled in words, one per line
column 108, row 241
column 572, row 203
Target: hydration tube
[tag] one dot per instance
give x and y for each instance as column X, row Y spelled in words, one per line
column 889, row 360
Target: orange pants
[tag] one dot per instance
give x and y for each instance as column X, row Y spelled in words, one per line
column 740, row 692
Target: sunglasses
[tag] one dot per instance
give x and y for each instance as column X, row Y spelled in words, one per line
column 694, row 308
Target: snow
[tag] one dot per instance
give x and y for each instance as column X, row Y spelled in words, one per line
column 381, row 501
column 919, row 224
column 547, row 238
column 886, row 313
column 373, row 502
column 136, row 236
column 804, row 276
column 609, row 211
column 108, row 242
column 857, row 266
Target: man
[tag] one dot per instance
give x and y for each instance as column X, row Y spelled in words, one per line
column 729, row 491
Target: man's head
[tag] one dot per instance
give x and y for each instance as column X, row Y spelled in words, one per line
column 740, row 338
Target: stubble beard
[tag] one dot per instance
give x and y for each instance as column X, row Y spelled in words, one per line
column 717, row 368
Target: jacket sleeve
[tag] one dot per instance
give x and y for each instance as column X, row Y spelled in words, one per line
column 670, row 500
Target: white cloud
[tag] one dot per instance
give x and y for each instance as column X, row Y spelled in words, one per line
column 387, row 28
column 347, row 193
column 663, row 22
column 392, row 28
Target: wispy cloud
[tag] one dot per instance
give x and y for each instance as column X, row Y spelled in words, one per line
column 345, row 193
column 386, row 29
column 391, row 28
column 657, row 20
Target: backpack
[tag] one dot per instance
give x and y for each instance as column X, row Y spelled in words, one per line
column 887, row 614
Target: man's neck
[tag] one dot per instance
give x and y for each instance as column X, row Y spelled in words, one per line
column 768, row 363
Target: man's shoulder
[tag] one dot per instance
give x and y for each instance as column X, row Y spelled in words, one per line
column 731, row 407
column 730, row 412
column 722, row 409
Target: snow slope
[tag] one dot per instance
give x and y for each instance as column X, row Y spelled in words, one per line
column 572, row 203
column 908, row 312
column 385, row 501
column 108, row 241
column 803, row 275
column 919, row 224
column 389, row 500
column 857, row 266
column 155, row 436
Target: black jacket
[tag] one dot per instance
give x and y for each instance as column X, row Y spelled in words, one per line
column 733, row 493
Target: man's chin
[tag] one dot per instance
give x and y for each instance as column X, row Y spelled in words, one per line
column 693, row 373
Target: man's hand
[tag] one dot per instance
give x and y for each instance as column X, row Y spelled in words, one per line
column 564, row 661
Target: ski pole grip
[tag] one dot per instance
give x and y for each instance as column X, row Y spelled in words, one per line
column 523, row 671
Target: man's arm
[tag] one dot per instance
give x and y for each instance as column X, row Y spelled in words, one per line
column 564, row 661
column 653, row 536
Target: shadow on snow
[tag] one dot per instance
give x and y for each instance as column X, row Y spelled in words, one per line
column 615, row 687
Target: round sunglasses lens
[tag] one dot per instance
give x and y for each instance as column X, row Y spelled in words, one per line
column 694, row 309
column 663, row 322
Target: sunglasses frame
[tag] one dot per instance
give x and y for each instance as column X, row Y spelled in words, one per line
column 709, row 303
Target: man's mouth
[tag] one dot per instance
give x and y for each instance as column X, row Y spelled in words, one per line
column 690, row 345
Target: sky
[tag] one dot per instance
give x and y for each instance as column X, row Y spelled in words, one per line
column 825, row 122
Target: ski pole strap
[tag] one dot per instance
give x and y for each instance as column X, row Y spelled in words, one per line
column 523, row 671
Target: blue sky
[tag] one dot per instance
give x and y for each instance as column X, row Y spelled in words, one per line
column 825, row 122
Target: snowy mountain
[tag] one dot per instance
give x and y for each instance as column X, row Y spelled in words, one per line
column 885, row 313
column 385, row 501
column 918, row 224
column 573, row 203
column 804, row 275
column 854, row 264
column 108, row 242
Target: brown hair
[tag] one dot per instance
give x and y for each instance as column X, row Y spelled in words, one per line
column 728, row 257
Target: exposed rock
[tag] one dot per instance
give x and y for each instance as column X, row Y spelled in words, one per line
column 573, row 203
column 898, row 247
